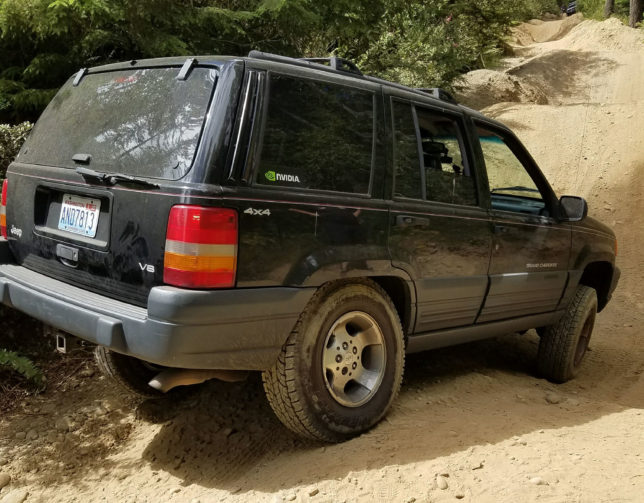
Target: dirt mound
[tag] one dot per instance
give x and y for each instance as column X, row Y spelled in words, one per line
column 603, row 36
column 539, row 31
column 482, row 88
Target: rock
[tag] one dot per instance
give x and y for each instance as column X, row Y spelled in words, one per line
column 100, row 411
column 314, row 492
column 175, row 490
column 4, row 480
column 21, row 435
column 32, row 435
column 17, row 496
column 64, row 424
column 3, row 461
column 290, row 497
column 538, row 481
column 87, row 372
column 459, row 496
column 553, row 398
column 441, row 482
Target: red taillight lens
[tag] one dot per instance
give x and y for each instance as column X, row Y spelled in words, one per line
column 201, row 247
column 3, row 210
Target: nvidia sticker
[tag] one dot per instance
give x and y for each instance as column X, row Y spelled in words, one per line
column 271, row 176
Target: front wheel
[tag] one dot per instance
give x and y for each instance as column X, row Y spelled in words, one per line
column 342, row 365
column 563, row 345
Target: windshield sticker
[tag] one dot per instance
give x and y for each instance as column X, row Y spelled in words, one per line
column 272, row 176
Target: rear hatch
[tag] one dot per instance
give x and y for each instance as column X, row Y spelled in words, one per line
column 91, row 190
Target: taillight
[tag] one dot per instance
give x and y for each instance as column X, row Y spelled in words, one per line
column 3, row 210
column 201, row 247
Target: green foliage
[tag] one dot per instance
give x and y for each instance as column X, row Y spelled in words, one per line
column 11, row 139
column 594, row 9
column 421, row 46
column 43, row 42
column 23, row 366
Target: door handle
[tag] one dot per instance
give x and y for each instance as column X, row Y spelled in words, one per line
column 501, row 229
column 408, row 221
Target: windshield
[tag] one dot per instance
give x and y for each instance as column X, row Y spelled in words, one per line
column 141, row 122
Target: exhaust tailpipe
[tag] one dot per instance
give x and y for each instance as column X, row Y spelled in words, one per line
column 171, row 378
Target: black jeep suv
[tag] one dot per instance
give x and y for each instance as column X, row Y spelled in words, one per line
column 196, row 218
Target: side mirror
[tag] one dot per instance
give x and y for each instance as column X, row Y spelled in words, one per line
column 572, row 209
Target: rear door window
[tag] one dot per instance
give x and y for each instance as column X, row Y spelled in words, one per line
column 429, row 160
column 141, row 122
column 317, row 135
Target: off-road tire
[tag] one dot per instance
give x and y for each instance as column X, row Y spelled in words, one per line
column 295, row 386
column 131, row 374
column 564, row 344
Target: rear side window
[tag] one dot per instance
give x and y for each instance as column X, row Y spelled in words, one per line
column 428, row 156
column 141, row 122
column 317, row 136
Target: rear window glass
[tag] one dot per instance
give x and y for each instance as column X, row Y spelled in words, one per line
column 140, row 122
column 318, row 135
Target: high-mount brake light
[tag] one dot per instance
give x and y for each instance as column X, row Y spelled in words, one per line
column 3, row 210
column 201, row 247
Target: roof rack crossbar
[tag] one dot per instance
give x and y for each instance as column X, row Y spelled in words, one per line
column 339, row 64
column 437, row 92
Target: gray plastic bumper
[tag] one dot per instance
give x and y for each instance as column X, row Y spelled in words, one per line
column 242, row 329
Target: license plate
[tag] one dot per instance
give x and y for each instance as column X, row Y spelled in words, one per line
column 79, row 215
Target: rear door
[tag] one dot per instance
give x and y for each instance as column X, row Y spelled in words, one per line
column 108, row 235
column 439, row 230
column 528, row 268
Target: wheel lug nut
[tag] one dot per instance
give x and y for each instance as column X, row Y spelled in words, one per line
column 338, row 358
column 345, row 346
column 354, row 365
column 344, row 371
column 355, row 350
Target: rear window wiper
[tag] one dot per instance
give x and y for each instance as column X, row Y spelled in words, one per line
column 114, row 178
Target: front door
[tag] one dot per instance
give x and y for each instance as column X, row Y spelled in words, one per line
column 530, row 249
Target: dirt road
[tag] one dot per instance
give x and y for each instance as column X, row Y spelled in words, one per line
column 472, row 422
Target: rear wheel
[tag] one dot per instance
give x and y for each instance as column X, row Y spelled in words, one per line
column 342, row 365
column 131, row 374
column 564, row 344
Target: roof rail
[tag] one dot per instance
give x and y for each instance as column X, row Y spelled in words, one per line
column 437, row 92
column 330, row 64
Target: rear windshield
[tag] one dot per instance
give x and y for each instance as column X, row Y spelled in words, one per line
column 141, row 122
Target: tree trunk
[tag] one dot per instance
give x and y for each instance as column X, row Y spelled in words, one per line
column 636, row 13
column 609, row 8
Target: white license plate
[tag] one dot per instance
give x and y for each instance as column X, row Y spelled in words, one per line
column 79, row 215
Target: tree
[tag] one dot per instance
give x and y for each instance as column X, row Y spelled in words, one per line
column 609, row 8
column 635, row 13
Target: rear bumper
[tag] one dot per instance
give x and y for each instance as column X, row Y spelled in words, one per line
column 241, row 329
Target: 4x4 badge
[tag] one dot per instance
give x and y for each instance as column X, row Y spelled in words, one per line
column 255, row 212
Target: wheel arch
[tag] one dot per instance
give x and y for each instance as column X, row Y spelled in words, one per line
column 598, row 275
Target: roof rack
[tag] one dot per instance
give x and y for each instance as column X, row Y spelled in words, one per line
column 332, row 64
column 339, row 65
column 437, row 92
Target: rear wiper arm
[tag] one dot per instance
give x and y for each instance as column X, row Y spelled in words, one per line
column 114, row 178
